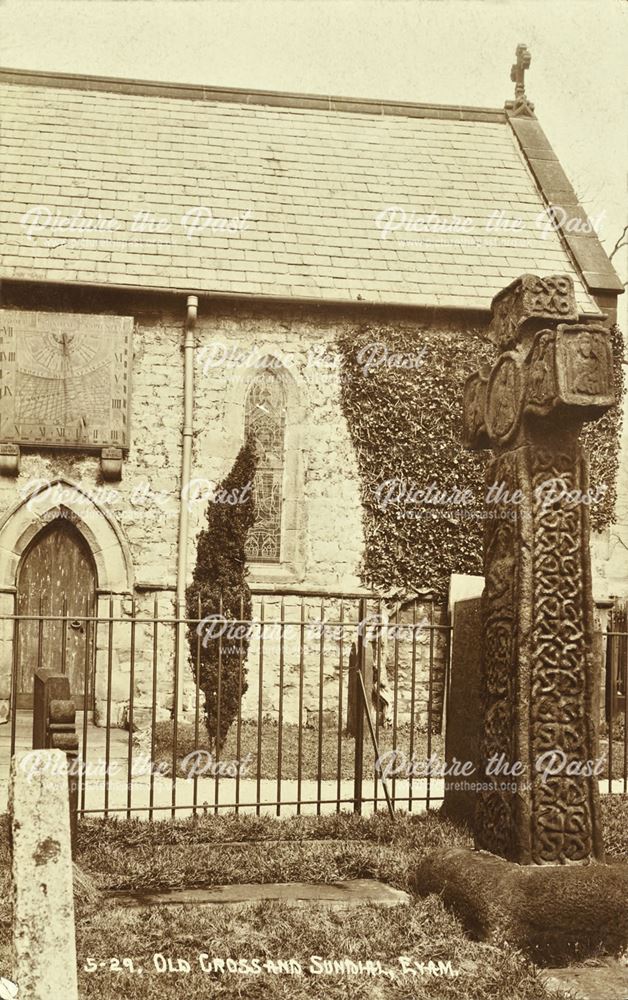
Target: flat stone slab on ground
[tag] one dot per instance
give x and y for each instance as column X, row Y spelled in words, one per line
column 592, row 982
column 334, row 894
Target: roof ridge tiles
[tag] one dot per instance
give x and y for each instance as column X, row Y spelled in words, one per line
column 239, row 95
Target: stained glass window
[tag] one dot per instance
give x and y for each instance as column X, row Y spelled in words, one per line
column 265, row 418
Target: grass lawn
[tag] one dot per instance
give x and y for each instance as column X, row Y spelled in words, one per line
column 423, row 932
column 269, row 748
column 227, row 849
column 413, row 747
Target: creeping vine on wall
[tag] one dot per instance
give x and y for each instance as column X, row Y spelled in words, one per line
column 601, row 442
column 405, row 424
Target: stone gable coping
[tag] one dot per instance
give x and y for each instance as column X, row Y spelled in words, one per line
column 585, row 249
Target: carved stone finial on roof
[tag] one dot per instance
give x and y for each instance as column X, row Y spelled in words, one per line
column 518, row 69
column 521, row 105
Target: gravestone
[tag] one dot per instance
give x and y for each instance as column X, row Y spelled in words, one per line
column 539, row 682
column 44, row 947
column 47, row 687
column 463, row 708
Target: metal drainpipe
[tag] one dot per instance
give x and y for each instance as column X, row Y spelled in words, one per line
column 186, row 470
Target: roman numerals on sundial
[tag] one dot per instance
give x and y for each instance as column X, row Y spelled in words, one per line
column 65, row 379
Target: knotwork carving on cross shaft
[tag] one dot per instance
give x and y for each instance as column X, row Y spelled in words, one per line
column 496, row 806
column 561, row 815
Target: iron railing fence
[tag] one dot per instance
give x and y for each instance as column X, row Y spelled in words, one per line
column 614, row 725
column 298, row 741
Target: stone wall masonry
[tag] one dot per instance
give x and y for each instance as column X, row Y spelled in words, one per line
column 406, row 660
column 322, row 530
column 302, row 670
column 321, row 486
column 609, row 547
column 395, row 659
column 150, row 646
column 6, row 654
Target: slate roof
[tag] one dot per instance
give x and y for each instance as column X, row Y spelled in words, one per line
column 307, row 185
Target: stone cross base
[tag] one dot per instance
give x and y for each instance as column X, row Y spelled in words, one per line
column 554, row 915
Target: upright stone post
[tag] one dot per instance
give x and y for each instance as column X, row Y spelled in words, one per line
column 54, row 727
column 48, row 686
column 463, row 706
column 537, row 876
column 44, row 945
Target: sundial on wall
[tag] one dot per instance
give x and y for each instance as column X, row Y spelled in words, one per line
column 65, row 379
column 64, row 383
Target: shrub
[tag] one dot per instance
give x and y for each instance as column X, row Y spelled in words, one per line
column 219, row 588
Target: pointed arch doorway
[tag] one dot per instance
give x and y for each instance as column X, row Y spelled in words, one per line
column 57, row 577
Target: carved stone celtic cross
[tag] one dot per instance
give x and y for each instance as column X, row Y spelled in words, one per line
column 539, row 679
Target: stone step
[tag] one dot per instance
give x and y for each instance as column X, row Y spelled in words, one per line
column 336, row 895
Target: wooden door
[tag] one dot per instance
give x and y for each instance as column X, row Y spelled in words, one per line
column 57, row 577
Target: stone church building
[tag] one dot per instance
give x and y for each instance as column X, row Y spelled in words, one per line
column 178, row 263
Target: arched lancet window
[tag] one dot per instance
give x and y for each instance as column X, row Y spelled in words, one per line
column 265, row 420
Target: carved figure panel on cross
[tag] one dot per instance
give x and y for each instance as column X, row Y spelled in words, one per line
column 539, row 686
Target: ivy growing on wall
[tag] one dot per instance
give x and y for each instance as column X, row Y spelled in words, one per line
column 601, row 441
column 406, row 424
